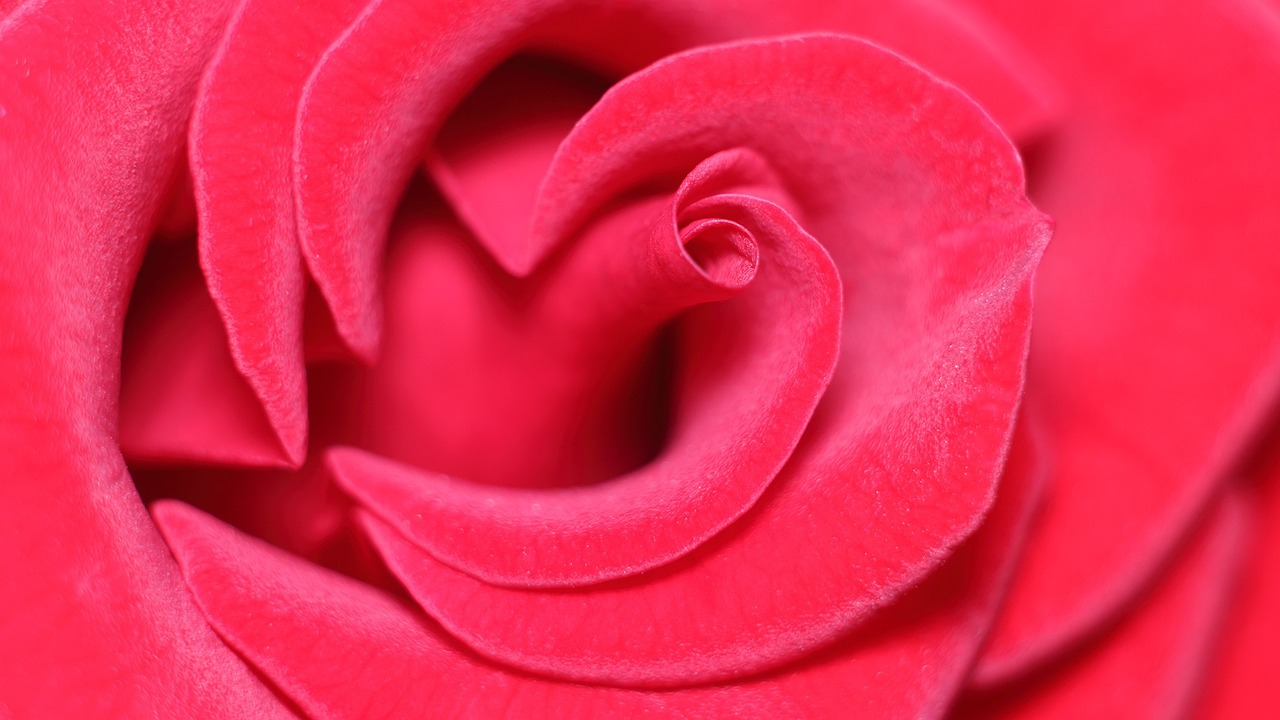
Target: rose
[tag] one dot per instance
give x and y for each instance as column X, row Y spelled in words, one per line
column 90, row 158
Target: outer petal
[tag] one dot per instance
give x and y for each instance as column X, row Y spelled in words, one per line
column 1242, row 682
column 918, row 198
column 1151, row 664
column 341, row 649
column 383, row 89
column 94, row 621
column 1155, row 318
column 241, row 149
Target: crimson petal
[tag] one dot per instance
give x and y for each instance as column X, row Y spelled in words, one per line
column 241, row 140
column 936, row 246
column 1155, row 352
column 342, row 649
column 754, row 369
column 95, row 621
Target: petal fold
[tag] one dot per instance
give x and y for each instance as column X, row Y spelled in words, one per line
column 341, row 649
column 1155, row 358
column 752, row 370
column 936, row 246
column 241, row 143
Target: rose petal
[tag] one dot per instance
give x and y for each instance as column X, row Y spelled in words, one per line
column 241, row 153
column 1155, row 317
column 752, row 372
column 1150, row 664
column 1242, row 674
column 366, row 113
column 181, row 397
column 94, row 620
column 492, row 153
column 935, row 246
column 383, row 89
column 342, row 649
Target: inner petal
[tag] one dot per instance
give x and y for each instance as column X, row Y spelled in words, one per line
column 750, row 374
column 560, row 380
column 492, row 153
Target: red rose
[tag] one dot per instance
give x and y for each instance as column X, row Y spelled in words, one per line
column 573, row 359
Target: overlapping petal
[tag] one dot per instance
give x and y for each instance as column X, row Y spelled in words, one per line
column 1155, row 346
column 95, row 620
column 1241, row 678
column 241, row 159
column 1151, row 663
column 342, row 649
column 380, row 93
column 752, row 369
column 182, row 399
column 936, row 247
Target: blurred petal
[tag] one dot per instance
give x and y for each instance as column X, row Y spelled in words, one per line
column 181, row 397
column 1242, row 682
column 1152, row 662
column 1156, row 332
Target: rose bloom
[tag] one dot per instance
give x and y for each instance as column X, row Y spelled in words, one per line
column 576, row 359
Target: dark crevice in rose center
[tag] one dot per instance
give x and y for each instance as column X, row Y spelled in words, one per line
column 539, row 389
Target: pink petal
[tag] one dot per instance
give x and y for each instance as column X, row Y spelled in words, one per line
column 94, row 620
column 380, row 94
column 241, row 140
column 1155, row 317
column 490, row 157
column 752, row 371
column 1242, row 681
column 918, row 199
column 1152, row 662
column 341, row 649
column 495, row 148
column 181, row 397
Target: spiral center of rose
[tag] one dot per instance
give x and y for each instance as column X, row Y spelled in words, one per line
column 563, row 377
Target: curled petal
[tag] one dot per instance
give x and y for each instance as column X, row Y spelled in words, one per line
column 752, row 372
column 383, row 90
column 241, row 140
column 342, row 649
column 936, row 246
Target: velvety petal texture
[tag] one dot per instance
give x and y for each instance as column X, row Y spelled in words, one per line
column 94, row 619
column 622, row 358
column 752, row 372
column 380, row 92
column 241, row 155
column 341, row 649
